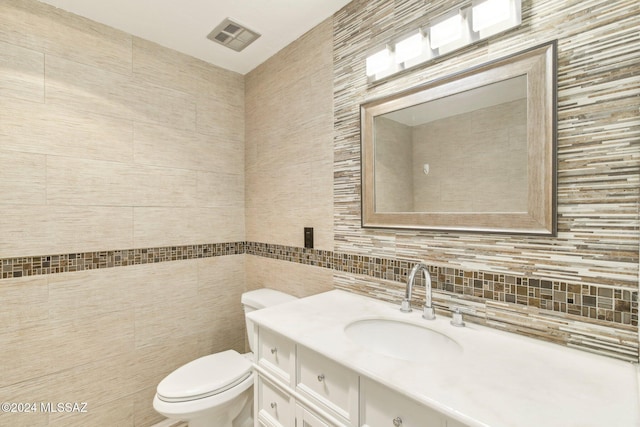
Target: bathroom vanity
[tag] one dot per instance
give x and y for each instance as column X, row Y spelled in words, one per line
column 341, row 359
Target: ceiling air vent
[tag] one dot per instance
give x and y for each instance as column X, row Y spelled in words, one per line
column 233, row 35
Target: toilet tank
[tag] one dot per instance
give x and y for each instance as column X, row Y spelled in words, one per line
column 258, row 299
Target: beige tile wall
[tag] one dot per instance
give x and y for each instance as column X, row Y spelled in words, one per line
column 107, row 337
column 293, row 278
column 110, row 142
column 289, row 134
column 289, row 160
column 113, row 142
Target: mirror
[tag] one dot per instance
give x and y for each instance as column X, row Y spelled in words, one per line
column 471, row 152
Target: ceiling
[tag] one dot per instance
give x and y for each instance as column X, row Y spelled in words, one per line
column 183, row 25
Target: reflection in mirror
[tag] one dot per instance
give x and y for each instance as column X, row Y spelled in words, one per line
column 474, row 151
column 432, row 158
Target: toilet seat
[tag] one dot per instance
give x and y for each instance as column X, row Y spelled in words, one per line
column 205, row 377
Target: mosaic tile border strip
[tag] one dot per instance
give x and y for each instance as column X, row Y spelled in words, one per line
column 601, row 303
column 63, row 263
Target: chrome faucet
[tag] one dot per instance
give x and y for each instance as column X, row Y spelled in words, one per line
column 405, row 307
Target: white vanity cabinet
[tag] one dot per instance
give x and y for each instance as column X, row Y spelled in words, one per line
column 316, row 371
column 297, row 387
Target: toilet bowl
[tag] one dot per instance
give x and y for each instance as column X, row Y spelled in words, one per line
column 216, row 390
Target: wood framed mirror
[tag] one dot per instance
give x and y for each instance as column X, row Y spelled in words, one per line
column 474, row 151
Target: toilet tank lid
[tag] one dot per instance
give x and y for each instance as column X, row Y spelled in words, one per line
column 261, row 298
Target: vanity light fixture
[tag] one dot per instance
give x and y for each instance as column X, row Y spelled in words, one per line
column 380, row 62
column 444, row 34
column 489, row 12
column 410, row 47
column 446, row 31
column 494, row 16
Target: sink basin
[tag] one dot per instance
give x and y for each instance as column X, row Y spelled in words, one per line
column 401, row 340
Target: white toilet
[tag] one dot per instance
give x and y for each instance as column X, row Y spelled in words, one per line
column 216, row 390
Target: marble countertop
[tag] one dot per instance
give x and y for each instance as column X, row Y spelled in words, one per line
column 498, row 380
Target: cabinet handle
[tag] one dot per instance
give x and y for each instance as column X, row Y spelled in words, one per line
column 320, row 378
column 397, row 422
column 274, row 350
column 274, row 405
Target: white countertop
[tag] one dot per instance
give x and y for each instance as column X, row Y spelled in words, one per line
column 498, row 380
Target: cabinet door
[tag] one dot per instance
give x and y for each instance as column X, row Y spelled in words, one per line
column 382, row 407
column 305, row 418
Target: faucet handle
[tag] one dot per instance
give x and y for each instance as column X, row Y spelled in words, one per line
column 428, row 313
column 405, row 306
column 456, row 319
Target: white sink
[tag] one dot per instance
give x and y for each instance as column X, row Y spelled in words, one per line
column 401, row 340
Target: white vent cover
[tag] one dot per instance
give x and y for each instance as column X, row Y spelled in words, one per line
column 233, row 35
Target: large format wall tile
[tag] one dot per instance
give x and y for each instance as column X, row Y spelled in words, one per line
column 221, row 117
column 165, row 67
column 21, row 73
column 84, row 294
column 41, row 27
column 36, row 390
column 96, row 90
column 51, row 346
column 221, row 304
column 156, row 226
column 88, row 382
column 290, row 277
column 96, row 183
column 159, row 323
column 23, row 178
column 163, row 146
column 25, row 301
column 289, row 156
column 46, row 230
column 220, row 189
column 57, row 130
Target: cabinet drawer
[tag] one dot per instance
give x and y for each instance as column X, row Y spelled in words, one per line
column 382, row 407
column 330, row 385
column 275, row 407
column 276, row 354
